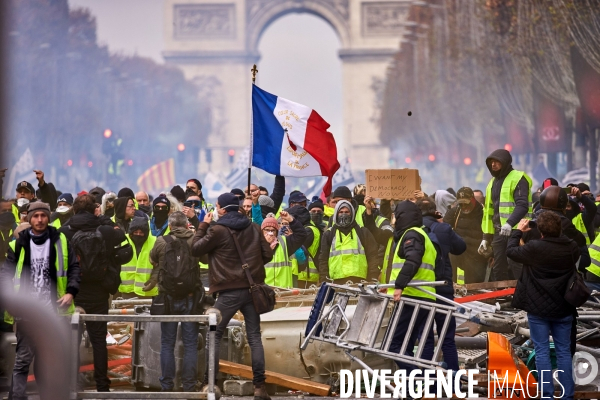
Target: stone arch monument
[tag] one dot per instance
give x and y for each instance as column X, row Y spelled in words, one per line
column 215, row 43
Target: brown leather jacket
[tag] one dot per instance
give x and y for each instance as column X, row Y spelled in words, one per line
column 224, row 264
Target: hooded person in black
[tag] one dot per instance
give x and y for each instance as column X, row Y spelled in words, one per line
column 93, row 294
column 411, row 247
column 499, row 164
column 302, row 215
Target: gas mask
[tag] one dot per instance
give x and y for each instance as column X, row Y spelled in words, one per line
column 344, row 220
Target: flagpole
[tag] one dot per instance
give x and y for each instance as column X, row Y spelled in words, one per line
column 254, row 71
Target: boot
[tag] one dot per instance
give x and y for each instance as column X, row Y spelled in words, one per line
column 260, row 393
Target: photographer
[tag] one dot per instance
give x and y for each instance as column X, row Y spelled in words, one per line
column 192, row 208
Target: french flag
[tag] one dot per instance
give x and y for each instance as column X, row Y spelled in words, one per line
column 290, row 139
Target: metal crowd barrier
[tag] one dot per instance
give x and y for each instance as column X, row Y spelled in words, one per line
column 76, row 322
column 369, row 316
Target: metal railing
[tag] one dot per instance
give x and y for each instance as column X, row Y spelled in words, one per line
column 76, row 325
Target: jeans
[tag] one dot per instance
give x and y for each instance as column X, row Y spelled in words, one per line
column 500, row 269
column 401, row 330
column 448, row 345
column 189, row 336
column 229, row 302
column 560, row 328
column 97, row 334
column 24, row 358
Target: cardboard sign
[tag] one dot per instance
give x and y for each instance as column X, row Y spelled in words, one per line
column 390, row 184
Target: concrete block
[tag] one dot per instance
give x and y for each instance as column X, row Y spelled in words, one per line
column 238, row 388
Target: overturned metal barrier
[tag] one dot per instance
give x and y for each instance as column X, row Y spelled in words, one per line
column 331, row 324
column 76, row 324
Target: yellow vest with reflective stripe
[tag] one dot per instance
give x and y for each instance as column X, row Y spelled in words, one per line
column 279, row 271
column 56, row 223
column 507, row 201
column 347, row 256
column 386, row 260
column 202, row 265
column 594, row 250
column 578, row 222
column 359, row 216
column 137, row 272
column 312, row 275
column 15, row 211
column 460, row 276
column 426, row 271
column 62, row 267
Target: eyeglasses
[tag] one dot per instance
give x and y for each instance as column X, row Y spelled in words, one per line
column 130, row 206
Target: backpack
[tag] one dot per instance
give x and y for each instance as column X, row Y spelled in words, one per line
column 92, row 254
column 179, row 275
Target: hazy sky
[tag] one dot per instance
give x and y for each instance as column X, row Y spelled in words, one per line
column 309, row 72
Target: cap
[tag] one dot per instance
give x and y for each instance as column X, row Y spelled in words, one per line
column 26, row 185
column 229, row 202
column 238, row 192
column 464, row 195
column 297, row 197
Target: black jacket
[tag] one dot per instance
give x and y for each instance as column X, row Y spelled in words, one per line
column 520, row 195
column 277, row 196
column 7, row 272
column 450, row 243
column 47, row 194
column 587, row 215
column 92, row 291
column 468, row 227
column 548, row 264
column 568, row 229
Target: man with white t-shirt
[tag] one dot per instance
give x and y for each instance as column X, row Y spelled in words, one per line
column 42, row 264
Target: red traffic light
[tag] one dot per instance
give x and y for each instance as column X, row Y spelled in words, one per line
column 181, row 147
column 431, row 157
column 130, row 163
column 231, row 152
column 467, row 161
column 508, row 147
column 107, row 133
column 70, row 163
column 90, row 164
column 407, row 160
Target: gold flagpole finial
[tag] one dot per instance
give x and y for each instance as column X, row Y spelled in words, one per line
column 254, row 72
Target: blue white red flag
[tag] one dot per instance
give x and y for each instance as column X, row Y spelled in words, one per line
column 290, row 139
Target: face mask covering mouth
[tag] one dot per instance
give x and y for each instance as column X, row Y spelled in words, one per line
column 145, row 209
column 63, row 209
column 344, row 220
column 215, row 215
column 22, row 201
column 316, row 217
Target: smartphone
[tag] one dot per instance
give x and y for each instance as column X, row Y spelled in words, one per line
column 567, row 190
column 284, row 230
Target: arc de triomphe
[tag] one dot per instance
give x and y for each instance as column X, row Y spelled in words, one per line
column 215, row 43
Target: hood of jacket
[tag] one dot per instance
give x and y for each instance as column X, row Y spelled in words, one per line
column 503, row 157
column 408, row 215
column 574, row 211
column 84, row 221
column 234, row 220
column 301, row 214
column 121, row 207
column 181, row 233
column 140, row 223
column 443, row 200
column 338, row 206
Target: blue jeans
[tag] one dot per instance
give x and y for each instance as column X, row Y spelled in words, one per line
column 541, row 328
column 189, row 336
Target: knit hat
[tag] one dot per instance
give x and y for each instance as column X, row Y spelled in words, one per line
column 161, row 199
column 269, row 223
column 342, row 192
column 126, row 192
column 266, row 201
column 229, row 202
column 316, row 204
column 297, row 197
column 66, row 197
column 178, row 193
column 37, row 206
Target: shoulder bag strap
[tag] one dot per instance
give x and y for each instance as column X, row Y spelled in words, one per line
column 245, row 266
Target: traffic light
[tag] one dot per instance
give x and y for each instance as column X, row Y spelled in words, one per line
column 231, row 154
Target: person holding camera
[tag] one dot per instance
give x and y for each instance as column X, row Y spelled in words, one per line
column 94, row 240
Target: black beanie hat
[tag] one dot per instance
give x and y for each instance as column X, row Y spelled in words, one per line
column 126, row 192
column 178, row 193
column 239, row 193
column 229, row 202
column 140, row 223
column 342, row 192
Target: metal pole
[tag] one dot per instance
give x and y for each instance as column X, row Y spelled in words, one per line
column 75, row 325
column 212, row 323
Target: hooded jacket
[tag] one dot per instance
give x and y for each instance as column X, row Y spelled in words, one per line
column 412, row 246
column 443, row 201
column 520, row 195
column 587, row 215
column 139, row 223
column 92, row 291
column 23, row 243
column 120, row 209
column 224, row 263
column 366, row 239
column 302, row 216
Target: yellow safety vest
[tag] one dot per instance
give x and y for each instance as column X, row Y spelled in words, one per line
column 426, row 271
column 388, row 250
column 578, row 222
column 359, row 215
column 460, row 276
column 15, row 211
column 312, row 275
column 56, row 223
column 202, row 265
column 507, row 201
column 137, row 272
column 279, row 271
column 62, row 267
column 347, row 256
column 594, row 250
